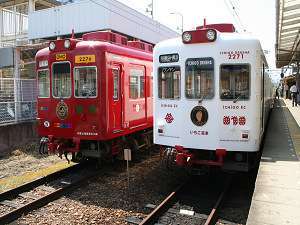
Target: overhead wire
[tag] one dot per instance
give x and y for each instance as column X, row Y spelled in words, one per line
column 232, row 10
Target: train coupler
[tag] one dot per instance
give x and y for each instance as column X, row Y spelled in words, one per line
column 184, row 157
column 64, row 146
column 61, row 153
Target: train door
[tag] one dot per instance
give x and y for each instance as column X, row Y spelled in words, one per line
column 117, row 97
column 136, row 106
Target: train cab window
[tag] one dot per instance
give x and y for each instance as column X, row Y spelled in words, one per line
column 61, row 80
column 234, row 82
column 116, row 77
column 169, row 82
column 199, row 80
column 43, row 84
column 85, row 79
column 136, row 83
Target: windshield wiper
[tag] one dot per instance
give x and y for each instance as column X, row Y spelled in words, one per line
column 201, row 99
column 236, row 99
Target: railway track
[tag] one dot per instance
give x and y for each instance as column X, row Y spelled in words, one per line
column 30, row 196
column 191, row 203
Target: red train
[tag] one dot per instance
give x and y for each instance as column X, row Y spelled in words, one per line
column 94, row 95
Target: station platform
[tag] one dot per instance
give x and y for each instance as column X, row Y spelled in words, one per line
column 276, row 198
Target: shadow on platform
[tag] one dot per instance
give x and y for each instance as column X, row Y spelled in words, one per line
column 278, row 143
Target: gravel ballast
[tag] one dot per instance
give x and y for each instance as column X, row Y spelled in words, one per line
column 107, row 200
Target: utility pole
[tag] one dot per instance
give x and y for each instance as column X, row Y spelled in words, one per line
column 149, row 9
column 177, row 13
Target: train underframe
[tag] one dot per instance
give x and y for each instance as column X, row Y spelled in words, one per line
column 82, row 149
column 197, row 159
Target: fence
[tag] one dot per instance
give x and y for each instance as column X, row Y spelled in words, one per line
column 17, row 100
column 15, row 20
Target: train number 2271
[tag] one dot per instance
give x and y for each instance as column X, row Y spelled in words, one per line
column 235, row 55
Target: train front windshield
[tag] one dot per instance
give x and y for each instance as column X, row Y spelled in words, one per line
column 61, row 80
column 235, row 82
column 199, row 78
column 85, row 79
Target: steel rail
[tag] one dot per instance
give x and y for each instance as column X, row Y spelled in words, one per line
column 35, row 183
column 213, row 212
column 163, row 206
column 39, row 202
column 154, row 215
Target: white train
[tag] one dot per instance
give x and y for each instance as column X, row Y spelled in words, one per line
column 212, row 97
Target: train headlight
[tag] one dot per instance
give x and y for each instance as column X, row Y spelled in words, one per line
column 211, row 35
column 46, row 124
column 52, row 45
column 67, row 43
column 186, row 37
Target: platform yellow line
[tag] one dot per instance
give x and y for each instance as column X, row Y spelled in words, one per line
column 15, row 181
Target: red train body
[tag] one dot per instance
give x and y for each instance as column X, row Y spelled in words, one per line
column 95, row 94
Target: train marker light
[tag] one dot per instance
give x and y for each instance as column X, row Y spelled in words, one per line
column 67, row 43
column 186, row 37
column 211, row 35
column 52, row 45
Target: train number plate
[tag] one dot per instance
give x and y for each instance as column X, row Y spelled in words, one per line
column 61, row 57
column 85, row 58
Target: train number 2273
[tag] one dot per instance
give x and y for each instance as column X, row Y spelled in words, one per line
column 85, row 58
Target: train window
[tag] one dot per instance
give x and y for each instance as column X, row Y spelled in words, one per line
column 116, row 73
column 234, row 83
column 199, row 80
column 61, row 80
column 85, row 79
column 43, row 84
column 142, row 87
column 136, row 83
column 169, row 82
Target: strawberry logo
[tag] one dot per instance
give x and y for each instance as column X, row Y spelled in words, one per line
column 169, row 118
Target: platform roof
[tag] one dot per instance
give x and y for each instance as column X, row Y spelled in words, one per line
column 287, row 32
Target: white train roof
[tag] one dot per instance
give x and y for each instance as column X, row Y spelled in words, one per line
column 223, row 40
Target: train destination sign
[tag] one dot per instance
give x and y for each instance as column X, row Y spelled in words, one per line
column 61, row 56
column 203, row 63
column 169, row 58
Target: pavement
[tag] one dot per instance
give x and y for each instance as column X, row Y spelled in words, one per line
column 276, row 198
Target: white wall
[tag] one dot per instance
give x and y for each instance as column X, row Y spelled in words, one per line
column 85, row 16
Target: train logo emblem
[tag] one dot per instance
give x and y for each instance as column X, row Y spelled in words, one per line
column 169, row 118
column 62, row 110
column 199, row 116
